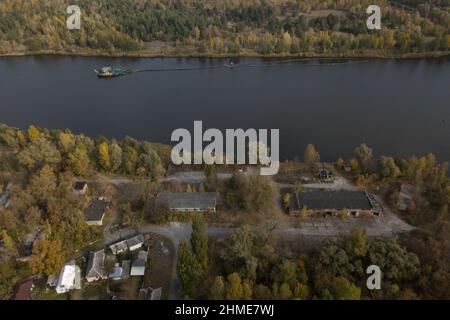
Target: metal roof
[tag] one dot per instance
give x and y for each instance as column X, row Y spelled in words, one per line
column 95, row 210
column 342, row 199
column 188, row 200
column 95, row 264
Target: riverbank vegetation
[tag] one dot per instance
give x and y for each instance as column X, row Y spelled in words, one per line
column 226, row 28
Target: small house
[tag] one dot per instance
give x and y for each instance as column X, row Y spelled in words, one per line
column 138, row 265
column 95, row 212
column 119, row 247
column 95, row 266
column 135, row 242
column 23, row 290
column 80, row 187
column 69, row 278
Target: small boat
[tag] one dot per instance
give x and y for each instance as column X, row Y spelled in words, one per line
column 109, row 72
column 229, row 65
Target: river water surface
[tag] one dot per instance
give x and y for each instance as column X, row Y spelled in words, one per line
column 398, row 108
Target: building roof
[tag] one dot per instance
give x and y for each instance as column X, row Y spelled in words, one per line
column 319, row 200
column 119, row 246
column 141, row 259
column 79, row 185
column 188, row 200
column 95, row 210
column 139, row 239
column 52, row 280
column 95, row 264
column 69, row 278
column 23, row 290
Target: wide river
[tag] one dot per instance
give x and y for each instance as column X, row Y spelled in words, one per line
column 398, row 108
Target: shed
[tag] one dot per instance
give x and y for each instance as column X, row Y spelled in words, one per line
column 138, row 266
column 95, row 212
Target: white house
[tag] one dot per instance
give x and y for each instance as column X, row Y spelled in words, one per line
column 69, row 278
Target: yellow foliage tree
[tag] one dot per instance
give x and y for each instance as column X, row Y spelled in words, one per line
column 103, row 156
column 47, row 257
column 33, row 133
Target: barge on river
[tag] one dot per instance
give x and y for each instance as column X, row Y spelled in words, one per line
column 109, row 72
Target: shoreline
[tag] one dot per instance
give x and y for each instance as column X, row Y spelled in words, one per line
column 307, row 56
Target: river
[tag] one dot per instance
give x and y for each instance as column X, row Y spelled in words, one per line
column 397, row 107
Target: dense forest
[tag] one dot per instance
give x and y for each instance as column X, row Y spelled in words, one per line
column 227, row 27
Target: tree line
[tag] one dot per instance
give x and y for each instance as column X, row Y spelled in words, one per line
column 225, row 27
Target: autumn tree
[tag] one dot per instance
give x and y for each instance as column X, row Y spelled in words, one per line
column 47, row 257
column 364, row 154
column 286, row 200
column 104, row 159
column 340, row 163
column 199, row 241
column 79, row 160
column 342, row 289
column 33, row 133
column 66, row 141
column 388, row 168
column 116, row 156
column 188, row 269
column 357, row 244
column 37, row 153
column 284, row 292
column 301, row 291
column 234, row 289
column 42, row 184
column 311, row 157
column 217, row 290
column 8, row 242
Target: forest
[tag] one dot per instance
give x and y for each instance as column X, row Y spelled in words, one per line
column 226, row 28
